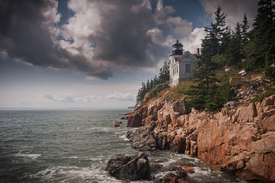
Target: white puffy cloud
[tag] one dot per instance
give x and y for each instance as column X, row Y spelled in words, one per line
column 121, row 96
column 68, row 98
column 193, row 40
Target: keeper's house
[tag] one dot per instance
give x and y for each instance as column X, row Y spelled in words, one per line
column 181, row 64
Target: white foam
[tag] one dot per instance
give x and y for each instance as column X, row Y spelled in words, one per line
column 73, row 157
column 171, row 161
column 162, row 174
column 31, row 156
column 73, row 173
column 124, row 137
column 200, row 171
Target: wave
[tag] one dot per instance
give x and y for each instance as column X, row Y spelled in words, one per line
column 31, row 156
column 74, row 174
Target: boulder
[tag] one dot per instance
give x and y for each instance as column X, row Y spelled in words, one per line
column 242, row 73
column 175, row 109
column 143, row 138
column 188, row 167
column 245, row 114
column 117, row 123
column 268, row 101
column 129, row 167
column 145, row 99
column 136, row 117
column 129, row 134
column 179, row 177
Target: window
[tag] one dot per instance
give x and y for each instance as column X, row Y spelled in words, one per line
column 188, row 68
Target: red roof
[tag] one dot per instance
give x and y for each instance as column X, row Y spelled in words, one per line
column 177, row 59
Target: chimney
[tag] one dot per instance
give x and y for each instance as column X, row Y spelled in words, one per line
column 198, row 51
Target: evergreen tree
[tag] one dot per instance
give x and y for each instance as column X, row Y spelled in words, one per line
column 152, row 84
column 262, row 36
column 244, row 30
column 234, row 55
column 204, row 74
column 164, row 73
column 216, row 33
column 156, row 80
column 148, row 86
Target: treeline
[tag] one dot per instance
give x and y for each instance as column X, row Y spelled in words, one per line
column 252, row 50
column 155, row 85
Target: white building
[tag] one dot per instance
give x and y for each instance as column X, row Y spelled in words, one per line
column 181, row 64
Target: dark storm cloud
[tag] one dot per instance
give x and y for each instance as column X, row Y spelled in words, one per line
column 122, row 35
column 27, row 35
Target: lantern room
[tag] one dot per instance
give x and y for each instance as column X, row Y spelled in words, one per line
column 177, row 48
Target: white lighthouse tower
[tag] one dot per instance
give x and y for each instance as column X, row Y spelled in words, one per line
column 181, row 64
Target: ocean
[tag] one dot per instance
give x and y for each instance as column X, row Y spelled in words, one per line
column 75, row 146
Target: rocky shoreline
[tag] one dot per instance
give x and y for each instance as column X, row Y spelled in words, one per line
column 239, row 140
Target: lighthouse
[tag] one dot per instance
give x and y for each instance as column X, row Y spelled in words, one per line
column 181, row 64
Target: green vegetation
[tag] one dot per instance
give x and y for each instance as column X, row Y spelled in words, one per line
column 154, row 85
column 253, row 51
column 259, row 98
column 224, row 48
column 158, row 88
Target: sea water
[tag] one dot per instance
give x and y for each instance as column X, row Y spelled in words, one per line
column 75, row 146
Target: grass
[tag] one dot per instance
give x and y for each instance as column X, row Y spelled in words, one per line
column 177, row 92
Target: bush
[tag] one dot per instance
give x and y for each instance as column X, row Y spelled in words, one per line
column 261, row 97
column 158, row 88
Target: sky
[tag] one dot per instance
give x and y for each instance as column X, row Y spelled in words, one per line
column 94, row 54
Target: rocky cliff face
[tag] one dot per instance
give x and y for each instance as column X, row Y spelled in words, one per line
column 241, row 140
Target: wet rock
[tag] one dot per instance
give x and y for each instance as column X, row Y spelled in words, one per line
column 117, row 123
column 179, row 143
column 143, row 138
column 179, row 177
column 129, row 134
column 188, row 168
column 129, row 167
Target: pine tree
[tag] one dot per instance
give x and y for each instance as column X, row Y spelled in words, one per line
column 262, row 36
column 234, row 55
column 148, row 86
column 152, row 84
column 244, row 30
column 164, row 73
column 216, row 33
column 205, row 73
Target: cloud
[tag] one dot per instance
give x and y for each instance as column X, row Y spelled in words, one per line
column 69, row 98
column 121, row 96
column 65, row 98
column 88, row 99
column 100, row 35
column 193, row 41
column 234, row 9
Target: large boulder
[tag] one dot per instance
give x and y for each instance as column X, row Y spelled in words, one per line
column 175, row 109
column 137, row 116
column 129, row 167
column 143, row 138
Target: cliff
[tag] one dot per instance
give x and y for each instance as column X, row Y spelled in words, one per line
column 241, row 140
